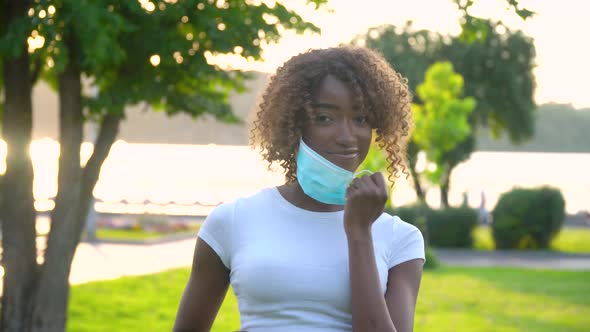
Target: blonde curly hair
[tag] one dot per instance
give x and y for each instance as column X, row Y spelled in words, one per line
column 286, row 104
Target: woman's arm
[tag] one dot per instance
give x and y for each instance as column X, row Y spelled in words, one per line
column 403, row 284
column 369, row 309
column 365, row 201
column 204, row 292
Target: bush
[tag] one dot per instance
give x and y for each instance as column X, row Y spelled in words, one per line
column 415, row 214
column 451, row 227
column 431, row 260
column 528, row 218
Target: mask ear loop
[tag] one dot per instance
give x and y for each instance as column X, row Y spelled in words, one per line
column 359, row 174
column 364, row 171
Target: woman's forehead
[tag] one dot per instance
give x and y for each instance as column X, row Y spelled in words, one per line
column 332, row 89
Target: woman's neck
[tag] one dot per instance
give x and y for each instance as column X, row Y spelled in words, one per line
column 294, row 194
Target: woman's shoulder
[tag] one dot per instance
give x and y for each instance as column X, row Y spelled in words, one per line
column 395, row 226
column 251, row 201
column 403, row 240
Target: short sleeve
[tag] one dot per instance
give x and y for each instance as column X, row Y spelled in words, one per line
column 216, row 231
column 408, row 244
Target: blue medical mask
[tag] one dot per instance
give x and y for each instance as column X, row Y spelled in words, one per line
column 321, row 179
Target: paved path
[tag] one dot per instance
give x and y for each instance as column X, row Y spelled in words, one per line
column 534, row 260
column 108, row 261
column 102, row 261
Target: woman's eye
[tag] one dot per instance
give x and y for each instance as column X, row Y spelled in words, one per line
column 362, row 119
column 323, row 118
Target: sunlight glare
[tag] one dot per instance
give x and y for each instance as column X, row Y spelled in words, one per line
column 3, row 152
column 178, row 57
column 421, row 162
column 42, row 226
column 86, row 150
column 155, row 60
column 147, row 5
column 222, row 4
column 44, row 148
column 150, row 7
column 44, row 205
column 35, row 41
column 270, row 19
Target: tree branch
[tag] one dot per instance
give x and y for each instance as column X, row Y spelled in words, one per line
column 36, row 71
column 102, row 147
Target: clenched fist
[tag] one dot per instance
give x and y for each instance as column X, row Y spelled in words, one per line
column 365, row 201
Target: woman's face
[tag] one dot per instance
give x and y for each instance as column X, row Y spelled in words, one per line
column 338, row 131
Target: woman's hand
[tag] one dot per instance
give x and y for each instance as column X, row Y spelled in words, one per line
column 365, row 201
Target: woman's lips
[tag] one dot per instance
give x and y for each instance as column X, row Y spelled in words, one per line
column 344, row 155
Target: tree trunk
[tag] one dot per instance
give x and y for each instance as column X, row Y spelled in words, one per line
column 412, row 160
column 36, row 299
column 50, row 303
column 18, row 212
column 445, row 187
column 444, row 194
column 75, row 186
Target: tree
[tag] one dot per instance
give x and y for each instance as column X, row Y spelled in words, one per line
column 442, row 120
column 474, row 28
column 410, row 52
column 497, row 72
column 18, row 214
column 131, row 52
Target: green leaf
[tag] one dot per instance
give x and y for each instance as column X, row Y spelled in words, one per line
column 441, row 122
column 15, row 37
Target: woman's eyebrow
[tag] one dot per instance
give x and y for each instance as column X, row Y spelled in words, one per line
column 325, row 105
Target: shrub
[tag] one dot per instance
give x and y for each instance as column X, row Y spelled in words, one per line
column 431, row 260
column 528, row 218
column 417, row 214
column 452, row 227
column 409, row 213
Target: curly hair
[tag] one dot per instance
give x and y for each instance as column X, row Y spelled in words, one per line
column 286, row 104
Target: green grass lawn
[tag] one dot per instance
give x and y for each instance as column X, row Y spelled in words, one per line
column 136, row 234
column 125, row 234
column 575, row 240
column 451, row 299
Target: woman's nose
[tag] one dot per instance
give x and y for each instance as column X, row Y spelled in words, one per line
column 346, row 132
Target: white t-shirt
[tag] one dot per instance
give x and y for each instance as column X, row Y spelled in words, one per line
column 289, row 266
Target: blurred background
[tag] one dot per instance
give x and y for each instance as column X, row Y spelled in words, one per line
column 166, row 92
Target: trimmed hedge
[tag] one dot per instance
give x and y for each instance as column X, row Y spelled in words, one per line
column 451, row 227
column 528, row 218
column 415, row 214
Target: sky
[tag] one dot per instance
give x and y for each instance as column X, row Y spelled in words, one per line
column 559, row 29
